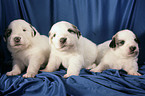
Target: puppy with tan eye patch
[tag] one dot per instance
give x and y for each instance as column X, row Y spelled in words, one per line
column 69, row 48
column 28, row 48
column 119, row 53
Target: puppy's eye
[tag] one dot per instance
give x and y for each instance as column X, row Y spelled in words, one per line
column 24, row 30
column 121, row 42
column 8, row 32
column 54, row 35
column 70, row 31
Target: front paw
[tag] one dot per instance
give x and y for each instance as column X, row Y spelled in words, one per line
column 68, row 75
column 12, row 73
column 29, row 75
column 47, row 70
column 95, row 70
column 134, row 73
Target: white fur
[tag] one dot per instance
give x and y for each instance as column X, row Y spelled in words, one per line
column 32, row 50
column 76, row 53
column 119, row 57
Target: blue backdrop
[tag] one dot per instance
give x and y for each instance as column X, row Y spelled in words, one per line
column 98, row 20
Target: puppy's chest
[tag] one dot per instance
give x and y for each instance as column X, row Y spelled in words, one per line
column 22, row 58
column 65, row 60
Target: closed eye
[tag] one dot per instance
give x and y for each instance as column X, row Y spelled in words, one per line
column 121, row 42
column 71, row 31
column 8, row 32
column 54, row 35
column 24, row 30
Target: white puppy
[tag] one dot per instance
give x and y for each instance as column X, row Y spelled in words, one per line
column 120, row 53
column 69, row 48
column 28, row 48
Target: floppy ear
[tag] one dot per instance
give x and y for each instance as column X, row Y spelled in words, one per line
column 5, row 38
column 137, row 40
column 34, row 31
column 50, row 37
column 78, row 34
column 113, row 43
column 77, row 31
column 7, row 34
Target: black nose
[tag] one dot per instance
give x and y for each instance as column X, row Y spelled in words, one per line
column 63, row 40
column 132, row 48
column 17, row 39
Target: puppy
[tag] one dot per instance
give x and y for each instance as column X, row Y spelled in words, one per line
column 120, row 53
column 70, row 48
column 28, row 48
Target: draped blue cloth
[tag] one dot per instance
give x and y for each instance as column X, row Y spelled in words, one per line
column 97, row 20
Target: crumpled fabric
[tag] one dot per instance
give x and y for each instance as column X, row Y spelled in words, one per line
column 108, row 83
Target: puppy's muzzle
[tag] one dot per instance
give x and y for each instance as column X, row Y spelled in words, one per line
column 132, row 48
column 17, row 39
column 63, row 40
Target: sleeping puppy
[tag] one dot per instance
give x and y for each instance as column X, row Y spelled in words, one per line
column 28, row 48
column 122, row 54
column 70, row 48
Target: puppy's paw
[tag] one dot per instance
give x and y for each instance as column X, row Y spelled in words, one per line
column 91, row 66
column 134, row 73
column 29, row 75
column 46, row 70
column 12, row 73
column 95, row 70
column 68, row 75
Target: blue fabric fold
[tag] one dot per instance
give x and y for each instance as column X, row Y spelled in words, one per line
column 108, row 83
column 44, row 84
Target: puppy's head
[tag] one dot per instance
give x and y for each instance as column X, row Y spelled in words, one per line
column 125, row 42
column 64, row 36
column 19, row 34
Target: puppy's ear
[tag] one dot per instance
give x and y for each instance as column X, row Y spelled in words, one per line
column 113, row 43
column 34, row 31
column 49, row 34
column 5, row 38
column 77, row 31
column 7, row 34
column 50, row 37
column 137, row 40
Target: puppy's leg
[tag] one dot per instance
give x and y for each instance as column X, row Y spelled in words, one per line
column 75, row 65
column 33, row 67
column 17, row 68
column 100, row 68
column 91, row 66
column 53, row 64
column 133, row 72
column 132, row 69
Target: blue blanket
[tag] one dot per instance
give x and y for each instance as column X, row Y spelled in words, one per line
column 108, row 83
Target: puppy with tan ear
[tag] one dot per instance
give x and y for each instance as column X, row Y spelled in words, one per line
column 28, row 48
column 119, row 53
column 70, row 48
